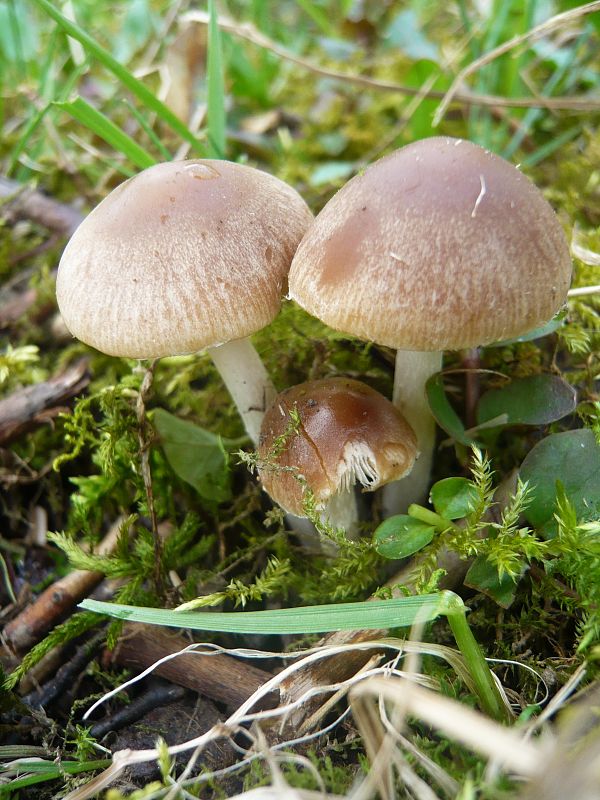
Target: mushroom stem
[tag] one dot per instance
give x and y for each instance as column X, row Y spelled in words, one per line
column 413, row 369
column 145, row 443
column 342, row 512
column 247, row 381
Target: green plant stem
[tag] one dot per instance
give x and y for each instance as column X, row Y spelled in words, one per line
column 487, row 691
column 430, row 517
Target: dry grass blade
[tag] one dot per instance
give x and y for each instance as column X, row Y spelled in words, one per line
column 455, row 721
column 251, row 34
column 244, row 714
column 556, row 21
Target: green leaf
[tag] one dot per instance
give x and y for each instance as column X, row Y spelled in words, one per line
column 144, row 95
column 401, row 536
column 100, row 125
column 443, row 412
column 537, row 333
column 454, row 498
column 535, row 400
column 195, row 455
column 573, row 458
column 331, row 172
column 373, row 614
column 483, row 576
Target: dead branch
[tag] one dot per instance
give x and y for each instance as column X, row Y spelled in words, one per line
column 34, row 405
column 57, row 601
column 219, row 677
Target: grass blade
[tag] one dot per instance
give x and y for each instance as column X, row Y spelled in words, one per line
column 100, row 125
column 42, row 771
column 396, row 613
column 145, row 125
column 318, row 16
column 215, row 113
column 150, row 101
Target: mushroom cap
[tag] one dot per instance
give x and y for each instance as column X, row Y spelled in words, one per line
column 441, row 245
column 183, row 256
column 348, row 432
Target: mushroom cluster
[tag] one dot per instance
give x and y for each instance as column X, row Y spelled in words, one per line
column 440, row 245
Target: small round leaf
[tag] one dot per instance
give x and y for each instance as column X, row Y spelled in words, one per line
column 454, row 498
column 535, row 400
column 573, row 458
column 401, row 536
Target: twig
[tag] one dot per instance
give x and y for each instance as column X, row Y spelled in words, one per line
column 156, row 697
column 22, row 202
column 33, row 405
column 218, row 676
column 556, row 21
column 252, row 34
column 63, row 680
column 56, row 601
column 471, row 362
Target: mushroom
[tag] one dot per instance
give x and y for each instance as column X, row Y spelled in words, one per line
column 184, row 256
column 326, row 435
column 441, row 245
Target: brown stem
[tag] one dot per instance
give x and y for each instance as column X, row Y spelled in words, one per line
column 471, row 362
column 22, row 202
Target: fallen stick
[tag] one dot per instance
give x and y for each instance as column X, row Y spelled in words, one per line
column 218, row 677
column 57, row 601
column 22, row 202
column 34, row 405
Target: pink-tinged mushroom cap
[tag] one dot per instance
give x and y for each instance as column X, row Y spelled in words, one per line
column 441, row 245
column 183, row 256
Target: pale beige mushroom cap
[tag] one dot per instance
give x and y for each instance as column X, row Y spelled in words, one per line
column 348, row 433
column 441, row 245
column 183, row 256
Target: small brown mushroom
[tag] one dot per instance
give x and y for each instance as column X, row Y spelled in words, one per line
column 327, row 435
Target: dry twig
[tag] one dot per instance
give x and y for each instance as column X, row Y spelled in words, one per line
column 251, row 34
column 538, row 32
column 56, row 601
column 216, row 676
column 34, row 405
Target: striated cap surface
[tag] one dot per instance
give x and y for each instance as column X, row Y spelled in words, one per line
column 440, row 245
column 347, row 433
column 183, row 256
